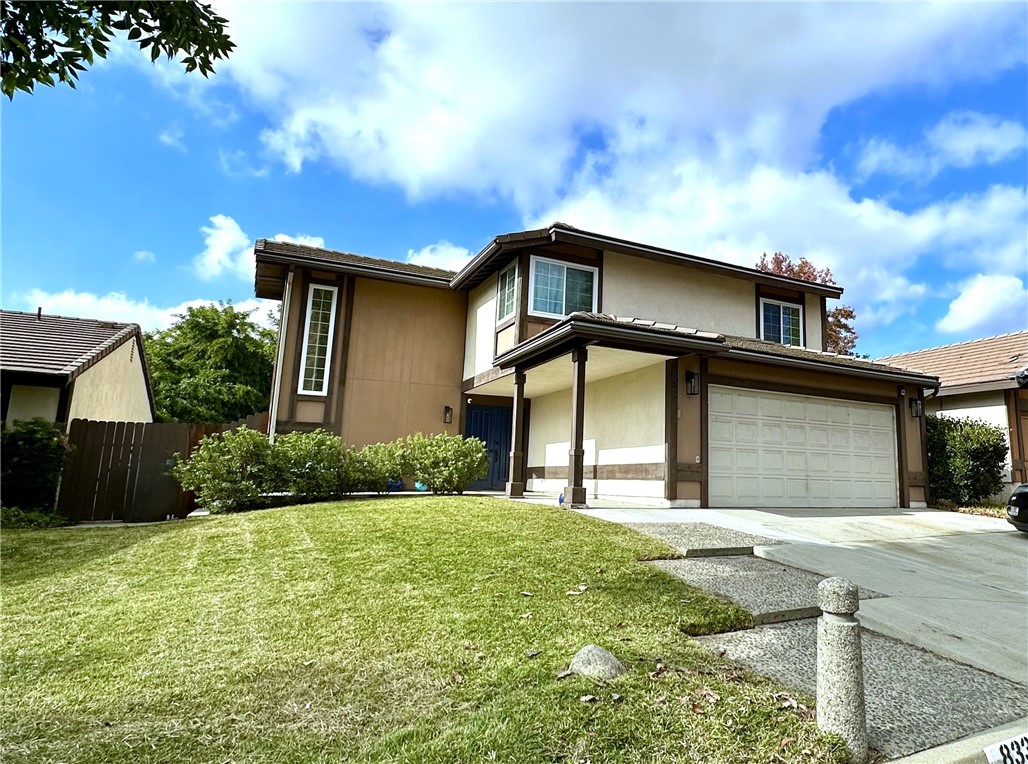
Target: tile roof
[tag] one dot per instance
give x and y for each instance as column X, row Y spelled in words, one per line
column 975, row 362
column 642, row 323
column 332, row 257
column 45, row 344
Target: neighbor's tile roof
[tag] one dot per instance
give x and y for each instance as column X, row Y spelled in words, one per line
column 332, row 257
column 976, row 362
column 57, row 344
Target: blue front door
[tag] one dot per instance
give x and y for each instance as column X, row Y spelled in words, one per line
column 492, row 425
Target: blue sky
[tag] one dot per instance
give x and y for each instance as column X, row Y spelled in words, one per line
column 886, row 141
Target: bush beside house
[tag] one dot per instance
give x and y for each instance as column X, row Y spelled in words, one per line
column 966, row 458
column 242, row 469
column 33, row 459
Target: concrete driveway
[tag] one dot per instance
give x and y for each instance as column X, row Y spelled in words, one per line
column 956, row 585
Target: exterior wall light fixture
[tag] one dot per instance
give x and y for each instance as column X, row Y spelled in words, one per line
column 692, row 383
column 447, row 414
column 916, row 408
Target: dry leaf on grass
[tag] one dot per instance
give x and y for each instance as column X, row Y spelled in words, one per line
column 588, row 698
column 526, row 616
column 526, row 594
column 709, row 695
column 532, row 653
column 457, row 678
column 565, row 674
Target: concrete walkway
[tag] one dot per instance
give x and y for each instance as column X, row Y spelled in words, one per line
column 954, row 585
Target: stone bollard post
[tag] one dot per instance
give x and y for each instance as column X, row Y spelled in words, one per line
column 840, row 667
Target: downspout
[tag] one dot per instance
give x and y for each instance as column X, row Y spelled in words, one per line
column 280, row 352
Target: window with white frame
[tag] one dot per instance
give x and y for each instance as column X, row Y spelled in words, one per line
column 506, row 292
column 781, row 322
column 317, row 340
column 557, row 289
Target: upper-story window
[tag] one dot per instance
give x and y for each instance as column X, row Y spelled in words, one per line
column 317, row 340
column 506, row 292
column 781, row 322
column 557, row 289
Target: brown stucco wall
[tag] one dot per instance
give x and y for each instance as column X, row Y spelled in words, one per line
column 406, row 358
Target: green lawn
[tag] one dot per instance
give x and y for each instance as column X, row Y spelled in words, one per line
column 385, row 630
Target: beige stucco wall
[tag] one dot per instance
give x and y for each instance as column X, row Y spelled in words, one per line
column 31, row 402
column 113, row 389
column 624, row 424
column 812, row 333
column 480, row 335
column 633, row 286
column 405, row 361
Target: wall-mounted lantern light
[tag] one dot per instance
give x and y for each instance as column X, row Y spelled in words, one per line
column 447, row 414
column 916, row 407
column 692, row 383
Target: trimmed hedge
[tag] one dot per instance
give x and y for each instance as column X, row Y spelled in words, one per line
column 966, row 459
column 240, row 470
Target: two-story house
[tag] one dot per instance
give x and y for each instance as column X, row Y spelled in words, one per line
column 595, row 366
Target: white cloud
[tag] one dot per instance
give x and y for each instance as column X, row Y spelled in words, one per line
column 302, row 239
column 117, row 306
column 987, row 305
column 229, row 250
column 143, row 256
column 442, row 254
column 236, row 164
column 429, row 98
column 961, row 139
column 173, row 137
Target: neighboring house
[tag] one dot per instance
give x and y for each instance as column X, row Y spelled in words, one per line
column 595, row 366
column 62, row 369
column 983, row 379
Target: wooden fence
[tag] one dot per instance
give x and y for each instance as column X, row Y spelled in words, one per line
column 122, row 470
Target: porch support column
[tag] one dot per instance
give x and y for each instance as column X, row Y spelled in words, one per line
column 516, row 484
column 574, row 493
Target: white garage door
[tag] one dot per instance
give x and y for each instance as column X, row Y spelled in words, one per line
column 779, row 450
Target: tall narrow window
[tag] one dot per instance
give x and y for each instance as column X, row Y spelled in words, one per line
column 781, row 322
column 506, row 292
column 558, row 289
column 317, row 340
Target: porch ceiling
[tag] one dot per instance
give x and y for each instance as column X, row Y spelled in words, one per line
column 555, row 375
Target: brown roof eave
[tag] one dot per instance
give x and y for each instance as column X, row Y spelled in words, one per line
column 473, row 274
column 367, row 271
column 575, row 332
column 923, row 380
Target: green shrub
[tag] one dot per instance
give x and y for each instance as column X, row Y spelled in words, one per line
column 375, row 464
column 230, row 471
column 966, row 458
column 33, row 458
column 315, row 465
column 13, row 517
column 445, row 463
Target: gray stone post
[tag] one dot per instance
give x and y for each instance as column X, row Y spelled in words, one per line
column 840, row 667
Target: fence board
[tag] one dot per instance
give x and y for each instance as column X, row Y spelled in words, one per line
column 121, row 470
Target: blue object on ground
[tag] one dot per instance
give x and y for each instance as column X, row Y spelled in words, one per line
column 419, row 486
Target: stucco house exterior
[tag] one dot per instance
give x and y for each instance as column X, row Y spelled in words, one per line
column 595, row 366
column 60, row 368
column 984, row 379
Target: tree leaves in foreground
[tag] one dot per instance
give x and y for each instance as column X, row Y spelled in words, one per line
column 212, row 365
column 50, row 42
column 842, row 337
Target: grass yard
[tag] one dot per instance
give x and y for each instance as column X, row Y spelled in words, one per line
column 395, row 630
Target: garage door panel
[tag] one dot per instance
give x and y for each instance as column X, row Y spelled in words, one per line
column 778, row 449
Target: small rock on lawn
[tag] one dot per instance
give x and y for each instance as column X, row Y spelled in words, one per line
column 596, row 663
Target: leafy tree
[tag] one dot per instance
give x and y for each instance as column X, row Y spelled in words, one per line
column 53, row 41
column 212, row 365
column 842, row 337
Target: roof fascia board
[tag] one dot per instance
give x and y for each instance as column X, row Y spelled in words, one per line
column 366, row 271
column 551, row 343
column 750, row 274
column 977, row 387
column 101, row 351
column 493, row 250
column 778, row 360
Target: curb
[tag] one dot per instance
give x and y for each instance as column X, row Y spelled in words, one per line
column 968, row 750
